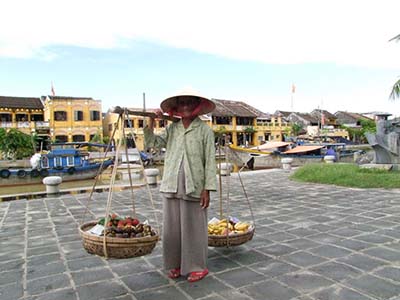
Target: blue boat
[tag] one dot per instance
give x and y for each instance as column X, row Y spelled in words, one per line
column 67, row 160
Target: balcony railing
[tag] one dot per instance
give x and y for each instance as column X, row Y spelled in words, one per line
column 42, row 124
column 6, row 124
column 23, row 124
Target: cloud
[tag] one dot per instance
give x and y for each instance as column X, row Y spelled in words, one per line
column 280, row 32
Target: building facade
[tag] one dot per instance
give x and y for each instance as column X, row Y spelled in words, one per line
column 73, row 119
column 240, row 122
column 25, row 114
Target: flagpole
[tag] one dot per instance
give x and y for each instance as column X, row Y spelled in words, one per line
column 144, row 109
column 291, row 102
column 291, row 96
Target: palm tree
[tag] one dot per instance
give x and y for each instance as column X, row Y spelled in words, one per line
column 395, row 94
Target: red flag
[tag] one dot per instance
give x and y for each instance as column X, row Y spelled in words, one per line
column 53, row 93
column 293, row 88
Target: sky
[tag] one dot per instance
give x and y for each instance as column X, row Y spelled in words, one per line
column 336, row 53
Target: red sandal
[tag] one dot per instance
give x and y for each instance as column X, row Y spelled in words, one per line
column 197, row 275
column 174, row 273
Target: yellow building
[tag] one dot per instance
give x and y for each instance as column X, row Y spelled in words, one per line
column 73, row 119
column 133, row 126
column 238, row 120
column 25, row 114
column 246, row 125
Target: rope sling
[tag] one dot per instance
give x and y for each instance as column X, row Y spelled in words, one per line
column 115, row 246
column 227, row 239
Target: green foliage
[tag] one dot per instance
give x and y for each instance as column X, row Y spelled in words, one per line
column 96, row 138
column 367, row 125
column 15, row 144
column 249, row 129
column 221, row 131
column 358, row 134
column 395, row 93
column 296, row 128
column 349, row 175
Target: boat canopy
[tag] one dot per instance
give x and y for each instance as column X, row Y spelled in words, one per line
column 302, row 149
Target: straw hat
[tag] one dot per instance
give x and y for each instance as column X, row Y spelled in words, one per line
column 206, row 105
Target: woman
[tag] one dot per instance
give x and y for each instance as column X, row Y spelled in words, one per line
column 189, row 176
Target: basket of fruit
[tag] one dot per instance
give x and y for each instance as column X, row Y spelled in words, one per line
column 119, row 238
column 224, row 233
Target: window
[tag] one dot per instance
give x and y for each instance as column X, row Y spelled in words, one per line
column 60, row 116
column 141, row 122
column 78, row 115
column 45, row 162
column 78, row 138
column 110, row 127
column 162, row 123
column 37, row 118
column 21, row 117
column 244, row 121
column 5, row 117
column 57, row 162
column 70, row 161
column 223, row 120
column 61, row 138
column 128, row 123
column 94, row 115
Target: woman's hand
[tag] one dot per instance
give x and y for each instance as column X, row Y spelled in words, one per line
column 158, row 115
column 204, row 198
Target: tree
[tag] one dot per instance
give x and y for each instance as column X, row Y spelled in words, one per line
column 395, row 94
column 296, row 128
column 15, row 144
column 357, row 135
column 249, row 131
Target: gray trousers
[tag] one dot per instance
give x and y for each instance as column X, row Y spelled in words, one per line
column 185, row 235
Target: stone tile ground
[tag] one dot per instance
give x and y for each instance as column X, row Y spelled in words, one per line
column 312, row 242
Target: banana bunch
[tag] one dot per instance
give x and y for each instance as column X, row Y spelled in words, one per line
column 224, row 227
column 242, row 227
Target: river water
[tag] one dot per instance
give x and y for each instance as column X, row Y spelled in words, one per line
column 79, row 186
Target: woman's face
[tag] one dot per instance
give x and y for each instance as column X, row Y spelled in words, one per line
column 186, row 105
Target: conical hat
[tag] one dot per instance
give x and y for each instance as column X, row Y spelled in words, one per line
column 170, row 104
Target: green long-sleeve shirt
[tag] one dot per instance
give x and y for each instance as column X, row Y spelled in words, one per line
column 194, row 145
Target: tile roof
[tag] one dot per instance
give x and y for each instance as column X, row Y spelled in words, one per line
column 228, row 108
column 349, row 117
column 327, row 114
column 308, row 117
column 21, row 102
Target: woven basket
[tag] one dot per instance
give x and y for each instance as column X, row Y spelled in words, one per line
column 231, row 240
column 116, row 247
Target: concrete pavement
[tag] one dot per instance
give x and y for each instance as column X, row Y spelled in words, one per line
column 311, row 242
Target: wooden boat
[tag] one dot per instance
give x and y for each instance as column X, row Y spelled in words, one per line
column 65, row 160
column 270, row 154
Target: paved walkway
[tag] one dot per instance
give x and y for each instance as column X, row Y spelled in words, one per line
column 311, row 242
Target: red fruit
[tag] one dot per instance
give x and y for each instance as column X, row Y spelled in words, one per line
column 120, row 224
column 135, row 222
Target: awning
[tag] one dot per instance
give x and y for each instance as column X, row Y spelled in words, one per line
column 302, row 149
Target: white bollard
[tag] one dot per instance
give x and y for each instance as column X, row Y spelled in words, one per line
column 329, row 159
column 226, row 169
column 151, row 175
column 52, row 184
column 287, row 163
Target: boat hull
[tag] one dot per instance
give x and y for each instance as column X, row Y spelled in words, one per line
column 33, row 176
column 258, row 159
